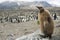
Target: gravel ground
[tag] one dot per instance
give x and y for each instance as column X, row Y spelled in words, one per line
column 11, row 31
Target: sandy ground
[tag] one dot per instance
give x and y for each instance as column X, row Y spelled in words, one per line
column 11, row 31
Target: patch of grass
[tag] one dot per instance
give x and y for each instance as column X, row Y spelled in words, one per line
column 38, row 22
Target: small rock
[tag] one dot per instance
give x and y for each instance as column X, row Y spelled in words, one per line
column 10, row 37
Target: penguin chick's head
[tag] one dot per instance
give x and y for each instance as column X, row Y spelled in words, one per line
column 41, row 9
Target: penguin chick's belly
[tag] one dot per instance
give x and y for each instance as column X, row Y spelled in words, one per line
column 47, row 27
